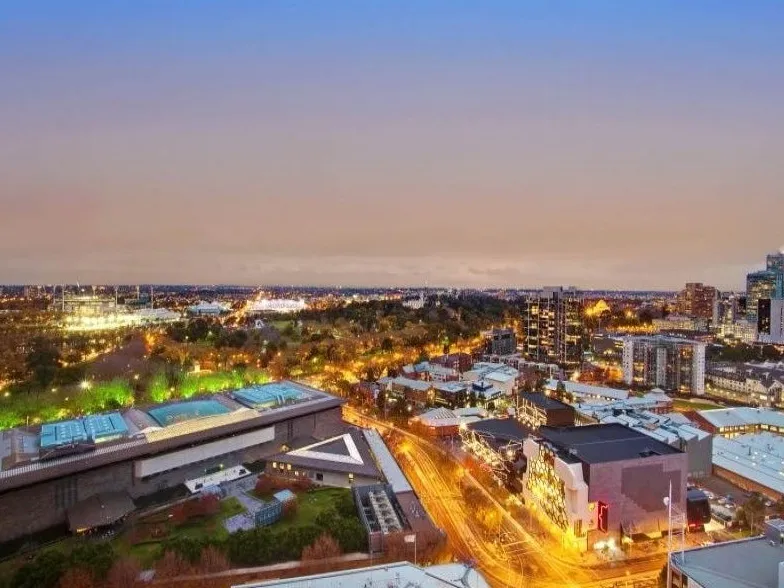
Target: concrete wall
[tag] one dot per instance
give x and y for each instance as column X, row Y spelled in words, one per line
column 634, row 491
column 38, row 507
column 700, row 456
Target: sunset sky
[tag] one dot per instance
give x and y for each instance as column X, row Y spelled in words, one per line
column 601, row 144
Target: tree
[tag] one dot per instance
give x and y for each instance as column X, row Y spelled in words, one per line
column 42, row 362
column 123, row 574
column 752, row 513
column 43, row 572
column 212, row 560
column 77, row 578
column 324, row 547
column 94, row 557
column 381, row 402
column 172, row 565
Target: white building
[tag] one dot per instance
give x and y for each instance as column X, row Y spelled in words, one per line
column 670, row 363
column 396, row 575
column 208, row 308
column 281, row 305
column 582, row 392
column 497, row 375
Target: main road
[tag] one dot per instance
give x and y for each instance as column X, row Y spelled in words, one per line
column 512, row 557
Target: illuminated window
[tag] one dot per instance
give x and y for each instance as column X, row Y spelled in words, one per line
column 274, row 465
column 288, row 466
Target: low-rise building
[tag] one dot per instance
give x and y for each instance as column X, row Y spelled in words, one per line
column 395, row 575
column 498, row 445
column 578, row 391
column 756, row 562
column 750, row 383
column 674, row 429
column 416, row 391
column 753, row 461
column 536, row 410
column 742, row 420
column 499, row 375
column 603, row 484
column 443, row 422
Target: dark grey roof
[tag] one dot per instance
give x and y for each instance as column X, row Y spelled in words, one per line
column 501, row 429
column 750, row 562
column 605, row 442
column 99, row 510
column 336, row 446
column 544, row 402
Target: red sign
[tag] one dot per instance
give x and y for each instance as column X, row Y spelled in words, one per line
column 603, row 516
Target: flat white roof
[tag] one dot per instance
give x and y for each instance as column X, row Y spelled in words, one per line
column 581, row 389
column 757, row 457
column 742, row 416
column 452, row 575
column 386, row 462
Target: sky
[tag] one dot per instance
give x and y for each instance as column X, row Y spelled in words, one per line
column 605, row 144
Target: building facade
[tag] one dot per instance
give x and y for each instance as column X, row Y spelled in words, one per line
column 55, row 467
column 670, row 363
column 770, row 320
column 697, row 300
column 759, row 286
column 603, row 484
column 553, row 327
column 500, row 341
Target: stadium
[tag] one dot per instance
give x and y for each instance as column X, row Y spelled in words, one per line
column 52, row 471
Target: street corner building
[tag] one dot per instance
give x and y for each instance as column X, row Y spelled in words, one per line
column 69, row 471
column 604, row 485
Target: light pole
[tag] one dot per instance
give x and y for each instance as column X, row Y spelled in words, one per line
column 668, row 502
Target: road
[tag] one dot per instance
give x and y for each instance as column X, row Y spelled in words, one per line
column 513, row 557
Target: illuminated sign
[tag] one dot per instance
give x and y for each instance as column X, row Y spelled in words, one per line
column 602, row 516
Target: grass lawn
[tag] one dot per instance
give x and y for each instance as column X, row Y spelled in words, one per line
column 210, row 527
column 310, row 505
column 681, row 405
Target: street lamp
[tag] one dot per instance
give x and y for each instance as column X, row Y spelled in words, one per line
column 668, row 503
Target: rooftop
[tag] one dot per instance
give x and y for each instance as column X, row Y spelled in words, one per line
column 386, row 462
column 269, row 395
column 753, row 563
column 544, row 402
column 501, row 429
column 742, row 416
column 605, row 442
column 34, row 454
column 580, row 389
column 757, row 457
column 178, row 412
column 396, row 575
column 347, row 453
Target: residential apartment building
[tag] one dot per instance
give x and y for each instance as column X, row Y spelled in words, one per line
column 673, row 364
column 500, row 341
column 553, row 327
column 697, row 300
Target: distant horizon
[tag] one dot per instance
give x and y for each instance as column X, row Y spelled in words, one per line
column 420, row 287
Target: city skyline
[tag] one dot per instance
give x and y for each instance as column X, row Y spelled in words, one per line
column 507, row 145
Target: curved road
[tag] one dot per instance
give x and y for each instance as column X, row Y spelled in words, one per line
column 530, row 562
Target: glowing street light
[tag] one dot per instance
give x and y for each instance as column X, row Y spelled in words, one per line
column 85, row 385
